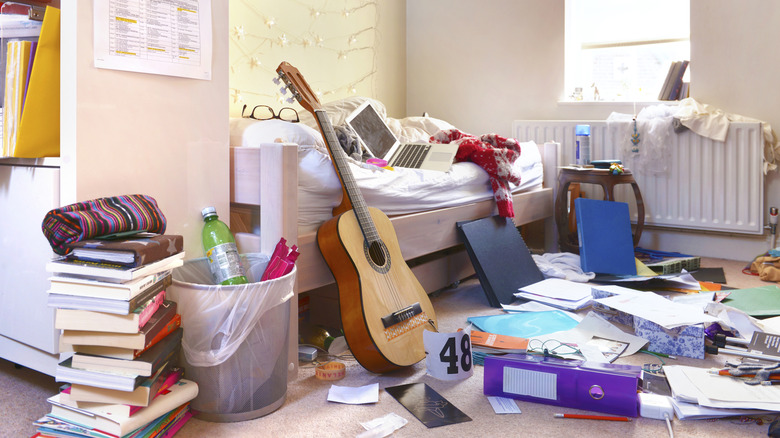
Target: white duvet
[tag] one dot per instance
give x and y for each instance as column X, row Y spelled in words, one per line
column 397, row 191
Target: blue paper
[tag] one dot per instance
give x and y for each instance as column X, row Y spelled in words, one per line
column 526, row 324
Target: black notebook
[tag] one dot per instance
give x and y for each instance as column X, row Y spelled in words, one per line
column 500, row 257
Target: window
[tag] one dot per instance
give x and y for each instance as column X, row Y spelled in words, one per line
column 621, row 50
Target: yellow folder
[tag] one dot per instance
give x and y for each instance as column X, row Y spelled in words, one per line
column 39, row 126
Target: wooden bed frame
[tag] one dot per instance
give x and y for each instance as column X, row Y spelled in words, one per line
column 428, row 240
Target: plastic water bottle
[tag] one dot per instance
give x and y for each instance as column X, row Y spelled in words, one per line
column 221, row 250
column 582, row 137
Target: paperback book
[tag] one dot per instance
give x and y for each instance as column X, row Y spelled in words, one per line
column 73, row 319
column 109, row 305
column 166, row 376
column 122, row 352
column 162, row 322
column 112, row 271
column 90, row 287
column 144, row 365
column 117, row 424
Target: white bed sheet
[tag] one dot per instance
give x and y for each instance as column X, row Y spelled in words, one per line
column 398, row 191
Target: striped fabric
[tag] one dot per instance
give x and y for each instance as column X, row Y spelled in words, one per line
column 99, row 217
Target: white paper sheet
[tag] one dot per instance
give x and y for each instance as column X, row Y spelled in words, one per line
column 354, row 396
column 559, row 288
column 658, row 309
column 504, row 405
column 592, row 326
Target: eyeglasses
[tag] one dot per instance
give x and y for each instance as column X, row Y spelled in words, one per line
column 265, row 112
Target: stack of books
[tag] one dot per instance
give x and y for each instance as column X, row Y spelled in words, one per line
column 120, row 340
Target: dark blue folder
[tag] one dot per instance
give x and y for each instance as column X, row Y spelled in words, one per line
column 500, row 257
column 606, row 241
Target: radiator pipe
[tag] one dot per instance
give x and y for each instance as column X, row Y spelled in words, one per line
column 773, row 226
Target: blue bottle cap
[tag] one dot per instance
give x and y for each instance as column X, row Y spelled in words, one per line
column 582, row 130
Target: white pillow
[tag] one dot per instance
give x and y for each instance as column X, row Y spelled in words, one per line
column 252, row 133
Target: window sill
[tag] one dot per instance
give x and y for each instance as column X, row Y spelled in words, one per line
column 603, row 103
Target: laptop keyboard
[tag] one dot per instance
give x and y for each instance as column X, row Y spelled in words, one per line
column 410, row 155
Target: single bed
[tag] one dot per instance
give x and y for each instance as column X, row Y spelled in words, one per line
column 283, row 185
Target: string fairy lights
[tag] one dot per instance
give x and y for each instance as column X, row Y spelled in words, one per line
column 335, row 39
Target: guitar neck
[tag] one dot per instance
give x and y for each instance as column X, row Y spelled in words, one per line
column 345, row 175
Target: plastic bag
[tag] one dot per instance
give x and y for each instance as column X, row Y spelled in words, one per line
column 218, row 319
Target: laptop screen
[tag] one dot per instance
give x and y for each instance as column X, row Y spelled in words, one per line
column 373, row 131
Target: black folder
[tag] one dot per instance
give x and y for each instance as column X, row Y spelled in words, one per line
column 500, row 257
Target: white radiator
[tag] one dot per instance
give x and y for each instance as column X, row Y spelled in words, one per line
column 705, row 184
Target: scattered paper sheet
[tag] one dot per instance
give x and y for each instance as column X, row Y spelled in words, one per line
column 592, row 326
column 559, row 288
column 503, row 405
column 354, row 396
column 382, row 426
column 531, row 306
column 696, row 385
column 658, row 309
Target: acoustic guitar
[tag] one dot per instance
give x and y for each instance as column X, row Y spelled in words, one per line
column 384, row 309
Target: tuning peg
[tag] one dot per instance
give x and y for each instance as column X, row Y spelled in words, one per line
column 277, row 81
column 283, row 90
column 290, row 100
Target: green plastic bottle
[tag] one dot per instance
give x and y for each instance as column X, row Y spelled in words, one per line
column 221, row 250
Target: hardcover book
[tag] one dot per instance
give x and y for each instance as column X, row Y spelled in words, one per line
column 112, row 271
column 109, row 305
column 163, row 321
column 140, row 249
column 70, row 319
column 144, row 365
column 500, row 257
column 606, row 240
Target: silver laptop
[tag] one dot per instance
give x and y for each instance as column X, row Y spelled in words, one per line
column 378, row 139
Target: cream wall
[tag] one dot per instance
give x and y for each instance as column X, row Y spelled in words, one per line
column 124, row 132
column 488, row 63
column 337, row 46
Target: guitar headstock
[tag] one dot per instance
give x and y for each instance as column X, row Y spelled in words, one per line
column 300, row 89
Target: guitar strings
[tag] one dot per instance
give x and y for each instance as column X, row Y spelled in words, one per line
column 358, row 205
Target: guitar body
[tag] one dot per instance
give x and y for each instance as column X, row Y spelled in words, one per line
column 368, row 293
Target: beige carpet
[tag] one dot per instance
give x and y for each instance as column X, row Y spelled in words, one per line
column 307, row 413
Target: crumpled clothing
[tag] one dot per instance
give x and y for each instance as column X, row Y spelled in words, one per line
column 564, row 265
column 493, row 153
column 713, row 123
column 767, row 268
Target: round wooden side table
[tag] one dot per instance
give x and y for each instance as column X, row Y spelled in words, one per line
column 567, row 239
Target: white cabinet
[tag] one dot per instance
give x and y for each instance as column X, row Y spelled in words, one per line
column 28, row 190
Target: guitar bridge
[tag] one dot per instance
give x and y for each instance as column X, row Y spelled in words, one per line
column 402, row 315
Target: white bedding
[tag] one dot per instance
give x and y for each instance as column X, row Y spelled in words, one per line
column 398, row 191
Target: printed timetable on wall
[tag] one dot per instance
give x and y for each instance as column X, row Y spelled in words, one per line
column 167, row 37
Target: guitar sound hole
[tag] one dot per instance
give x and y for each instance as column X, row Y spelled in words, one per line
column 377, row 255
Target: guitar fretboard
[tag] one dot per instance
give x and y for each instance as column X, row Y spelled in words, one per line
column 350, row 185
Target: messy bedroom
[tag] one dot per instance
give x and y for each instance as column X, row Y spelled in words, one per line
column 370, row 218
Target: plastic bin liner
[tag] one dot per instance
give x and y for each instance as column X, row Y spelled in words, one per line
column 235, row 337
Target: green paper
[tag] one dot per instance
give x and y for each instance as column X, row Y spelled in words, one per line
column 761, row 301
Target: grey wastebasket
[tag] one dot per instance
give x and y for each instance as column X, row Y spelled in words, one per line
column 235, row 342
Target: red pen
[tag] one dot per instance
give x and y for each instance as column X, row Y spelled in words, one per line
column 591, row 417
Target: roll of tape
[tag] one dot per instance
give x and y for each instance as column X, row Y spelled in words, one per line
column 330, row 371
column 377, row 162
